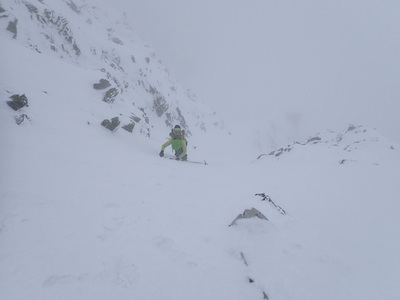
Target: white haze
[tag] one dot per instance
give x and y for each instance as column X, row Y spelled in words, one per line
column 312, row 64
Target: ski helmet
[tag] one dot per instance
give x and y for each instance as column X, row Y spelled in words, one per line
column 177, row 130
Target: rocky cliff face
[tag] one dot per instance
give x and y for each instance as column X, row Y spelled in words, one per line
column 131, row 78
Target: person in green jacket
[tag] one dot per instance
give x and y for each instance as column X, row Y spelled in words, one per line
column 178, row 143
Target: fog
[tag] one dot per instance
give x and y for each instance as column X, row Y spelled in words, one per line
column 315, row 64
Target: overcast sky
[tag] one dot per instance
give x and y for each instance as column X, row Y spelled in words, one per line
column 330, row 62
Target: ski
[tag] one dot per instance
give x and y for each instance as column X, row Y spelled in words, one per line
column 197, row 162
column 189, row 161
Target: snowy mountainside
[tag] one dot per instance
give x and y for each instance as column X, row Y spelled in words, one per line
column 350, row 143
column 86, row 214
column 341, row 190
column 126, row 74
column 83, row 218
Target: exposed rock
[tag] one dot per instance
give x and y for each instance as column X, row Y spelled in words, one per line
column 18, row 101
column 61, row 23
column 181, row 118
column 351, row 128
column 135, row 118
column 314, row 140
column 268, row 198
column 351, row 139
column 112, row 59
column 103, row 84
column 73, row 6
column 244, row 259
column 172, row 118
column 111, row 124
column 19, row 119
column 131, row 68
column 278, row 152
column 116, row 40
column 129, row 127
column 32, row 9
column 12, row 27
column 110, row 95
column 249, row 213
column 345, row 161
column 160, row 105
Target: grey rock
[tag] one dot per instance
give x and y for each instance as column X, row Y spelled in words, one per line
column 73, row 6
column 129, row 127
column 21, row 118
column 110, row 95
column 112, row 124
column 18, row 101
column 12, row 27
column 249, row 213
column 103, row 84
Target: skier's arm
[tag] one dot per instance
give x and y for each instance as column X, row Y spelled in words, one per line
column 166, row 144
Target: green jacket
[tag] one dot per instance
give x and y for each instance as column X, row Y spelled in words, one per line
column 183, row 144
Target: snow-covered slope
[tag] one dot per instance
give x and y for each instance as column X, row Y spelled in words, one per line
column 90, row 214
column 122, row 72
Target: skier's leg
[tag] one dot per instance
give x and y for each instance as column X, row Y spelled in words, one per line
column 178, row 152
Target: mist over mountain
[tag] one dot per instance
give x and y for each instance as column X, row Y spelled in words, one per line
column 328, row 63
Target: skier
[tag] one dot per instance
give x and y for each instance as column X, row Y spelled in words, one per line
column 178, row 143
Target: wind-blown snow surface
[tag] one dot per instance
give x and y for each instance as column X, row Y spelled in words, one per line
column 90, row 214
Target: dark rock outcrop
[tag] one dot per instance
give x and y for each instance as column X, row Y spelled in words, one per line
column 12, row 27
column 18, row 101
column 110, row 95
column 160, row 104
column 103, row 84
column 129, row 127
column 112, row 124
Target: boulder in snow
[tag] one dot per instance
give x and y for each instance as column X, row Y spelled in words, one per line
column 111, row 124
column 110, row 95
column 19, row 119
column 12, row 27
column 103, row 84
column 18, row 101
column 129, row 127
column 249, row 213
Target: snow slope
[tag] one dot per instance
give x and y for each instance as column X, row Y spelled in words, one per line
column 92, row 37
column 86, row 213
